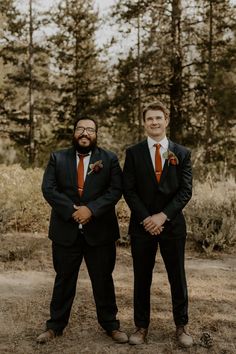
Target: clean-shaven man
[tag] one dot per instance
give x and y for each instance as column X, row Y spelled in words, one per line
column 82, row 184
column 157, row 185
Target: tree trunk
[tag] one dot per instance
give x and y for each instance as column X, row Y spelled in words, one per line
column 32, row 143
column 77, row 111
column 209, row 73
column 140, row 128
column 176, row 91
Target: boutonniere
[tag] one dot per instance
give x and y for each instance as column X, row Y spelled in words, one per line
column 171, row 157
column 95, row 167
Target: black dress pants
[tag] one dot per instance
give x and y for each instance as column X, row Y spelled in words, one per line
column 144, row 251
column 100, row 262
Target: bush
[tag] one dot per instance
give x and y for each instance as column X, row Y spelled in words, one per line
column 22, row 205
column 211, row 214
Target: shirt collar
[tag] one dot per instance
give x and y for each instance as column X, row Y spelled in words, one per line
column 88, row 154
column 164, row 142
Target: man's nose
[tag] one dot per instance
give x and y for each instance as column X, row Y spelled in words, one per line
column 154, row 121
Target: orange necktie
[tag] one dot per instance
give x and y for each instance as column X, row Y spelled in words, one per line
column 158, row 163
column 80, row 173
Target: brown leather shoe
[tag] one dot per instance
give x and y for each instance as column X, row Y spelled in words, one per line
column 118, row 336
column 184, row 339
column 45, row 336
column 139, row 336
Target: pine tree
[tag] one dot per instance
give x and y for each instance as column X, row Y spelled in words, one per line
column 159, row 62
column 26, row 80
column 129, row 81
column 216, row 46
column 78, row 73
column 11, row 27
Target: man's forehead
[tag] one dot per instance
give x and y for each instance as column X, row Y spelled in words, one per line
column 85, row 123
column 154, row 113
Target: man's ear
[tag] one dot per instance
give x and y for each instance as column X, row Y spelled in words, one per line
column 167, row 120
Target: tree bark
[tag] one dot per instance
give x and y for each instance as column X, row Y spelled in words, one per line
column 32, row 143
column 176, row 91
column 140, row 128
column 209, row 73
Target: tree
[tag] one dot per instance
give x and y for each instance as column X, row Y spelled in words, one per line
column 11, row 27
column 216, row 46
column 176, row 64
column 27, row 72
column 159, row 55
column 78, row 73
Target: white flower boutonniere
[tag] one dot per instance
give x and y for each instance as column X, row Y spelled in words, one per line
column 171, row 157
column 95, row 167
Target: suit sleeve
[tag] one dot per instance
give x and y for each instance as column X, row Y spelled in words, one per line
column 59, row 201
column 112, row 194
column 130, row 193
column 184, row 194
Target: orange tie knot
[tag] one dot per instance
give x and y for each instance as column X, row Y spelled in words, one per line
column 82, row 156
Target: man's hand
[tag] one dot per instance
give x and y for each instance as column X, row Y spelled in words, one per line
column 82, row 215
column 154, row 224
column 151, row 227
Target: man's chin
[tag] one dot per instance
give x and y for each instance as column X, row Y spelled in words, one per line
column 87, row 144
column 84, row 142
column 83, row 149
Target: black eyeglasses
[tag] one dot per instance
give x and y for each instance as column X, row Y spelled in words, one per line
column 89, row 130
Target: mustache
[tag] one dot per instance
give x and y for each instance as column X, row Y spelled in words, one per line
column 84, row 149
column 84, row 136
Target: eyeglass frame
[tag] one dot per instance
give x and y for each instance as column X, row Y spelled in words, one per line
column 83, row 129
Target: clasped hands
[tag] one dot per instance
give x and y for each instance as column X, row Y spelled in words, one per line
column 154, row 224
column 82, row 215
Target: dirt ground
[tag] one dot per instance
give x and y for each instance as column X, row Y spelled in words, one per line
column 26, row 279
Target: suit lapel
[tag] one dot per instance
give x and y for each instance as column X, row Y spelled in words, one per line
column 148, row 161
column 72, row 167
column 171, row 147
column 95, row 156
column 164, row 172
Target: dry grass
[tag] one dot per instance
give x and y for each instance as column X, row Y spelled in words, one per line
column 210, row 214
column 22, row 207
column 25, row 290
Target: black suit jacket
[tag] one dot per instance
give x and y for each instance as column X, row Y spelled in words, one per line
column 102, row 190
column 145, row 196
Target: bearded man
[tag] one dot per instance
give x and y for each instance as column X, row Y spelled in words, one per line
column 82, row 184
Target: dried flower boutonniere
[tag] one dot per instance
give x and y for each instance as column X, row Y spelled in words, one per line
column 171, row 157
column 95, row 167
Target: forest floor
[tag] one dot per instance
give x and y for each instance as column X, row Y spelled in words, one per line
column 26, row 280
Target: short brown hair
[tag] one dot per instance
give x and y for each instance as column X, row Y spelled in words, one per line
column 156, row 105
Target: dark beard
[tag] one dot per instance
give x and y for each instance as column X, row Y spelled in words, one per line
column 84, row 149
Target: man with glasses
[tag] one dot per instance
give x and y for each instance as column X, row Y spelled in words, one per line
column 82, row 184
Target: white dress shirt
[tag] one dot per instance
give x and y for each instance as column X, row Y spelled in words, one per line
column 164, row 147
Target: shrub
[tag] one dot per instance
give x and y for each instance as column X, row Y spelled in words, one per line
column 22, row 205
column 211, row 214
